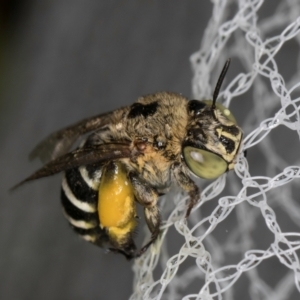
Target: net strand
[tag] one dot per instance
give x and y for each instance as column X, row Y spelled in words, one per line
column 237, row 29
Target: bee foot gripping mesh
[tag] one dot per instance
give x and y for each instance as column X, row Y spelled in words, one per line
column 242, row 241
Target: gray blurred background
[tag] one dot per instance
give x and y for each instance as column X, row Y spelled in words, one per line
column 62, row 61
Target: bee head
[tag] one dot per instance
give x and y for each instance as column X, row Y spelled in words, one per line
column 213, row 137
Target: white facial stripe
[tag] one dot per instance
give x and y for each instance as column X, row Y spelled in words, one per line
column 84, row 206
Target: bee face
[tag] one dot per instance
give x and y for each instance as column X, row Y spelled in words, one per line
column 131, row 156
column 213, row 140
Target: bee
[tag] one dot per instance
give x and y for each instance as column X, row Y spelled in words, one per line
column 133, row 155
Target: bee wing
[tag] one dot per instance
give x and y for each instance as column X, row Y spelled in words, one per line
column 79, row 157
column 60, row 142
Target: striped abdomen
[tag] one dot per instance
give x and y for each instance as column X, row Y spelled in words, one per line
column 79, row 196
column 99, row 204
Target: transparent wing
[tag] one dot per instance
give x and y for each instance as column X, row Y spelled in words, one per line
column 60, row 142
column 79, row 157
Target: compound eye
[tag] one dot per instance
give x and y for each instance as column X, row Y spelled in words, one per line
column 224, row 110
column 203, row 163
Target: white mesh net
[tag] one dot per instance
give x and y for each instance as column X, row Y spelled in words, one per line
column 244, row 243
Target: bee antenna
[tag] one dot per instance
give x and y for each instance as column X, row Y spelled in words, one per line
column 219, row 83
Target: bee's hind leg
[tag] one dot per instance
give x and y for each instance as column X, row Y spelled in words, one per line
column 147, row 197
column 128, row 254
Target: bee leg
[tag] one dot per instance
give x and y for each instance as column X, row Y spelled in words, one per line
column 153, row 221
column 187, row 184
column 128, row 249
column 128, row 255
column 147, row 197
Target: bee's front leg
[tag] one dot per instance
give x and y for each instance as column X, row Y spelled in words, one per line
column 187, row 184
column 147, row 197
